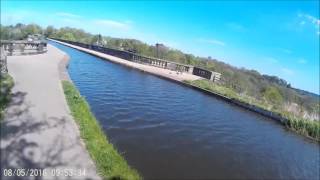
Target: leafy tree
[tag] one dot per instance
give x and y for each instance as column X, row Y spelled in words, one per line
column 49, row 31
column 32, row 29
column 68, row 36
column 4, row 32
column 273, row 95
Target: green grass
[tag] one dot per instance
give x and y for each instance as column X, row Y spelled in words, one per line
column 110, row 164
column 6, row 84
column 304, row 127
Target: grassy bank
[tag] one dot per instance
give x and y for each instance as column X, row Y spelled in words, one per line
column 304, row 127
column 109, row 162
column 6, row 84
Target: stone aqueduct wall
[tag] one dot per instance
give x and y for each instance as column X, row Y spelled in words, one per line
column 275, row 116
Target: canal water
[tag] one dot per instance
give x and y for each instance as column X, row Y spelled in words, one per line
column 166, row 130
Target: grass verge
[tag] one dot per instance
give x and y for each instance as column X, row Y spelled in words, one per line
column 6, row 84
column 305, row 127
column 308, row 128
column 110, row 164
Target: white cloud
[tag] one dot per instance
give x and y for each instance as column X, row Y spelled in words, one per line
column 287, row 71
column 70, row 20
column 312, row 19
column 236, row 27
column 287, row 51
column 271, row 60
column 307, row 18
column 10, row 18
column 212, row 41
column 113, row 24
column 128, row 21
column 67, row 15
column 302, row 61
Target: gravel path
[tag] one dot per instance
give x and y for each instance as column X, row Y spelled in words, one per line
column 38, row 132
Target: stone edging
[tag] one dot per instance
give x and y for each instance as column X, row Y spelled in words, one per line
column 63, row 66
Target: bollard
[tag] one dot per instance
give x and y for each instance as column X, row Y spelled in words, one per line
column 40, row 47
column 10, row 48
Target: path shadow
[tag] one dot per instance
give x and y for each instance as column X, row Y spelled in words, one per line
column 19, row 149
column 17, row 98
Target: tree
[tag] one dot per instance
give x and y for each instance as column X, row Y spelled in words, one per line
column 273, row 96
column 4, row 32
column 32, row 29
column 49, row 31
column 189, row 58
column 68, row 36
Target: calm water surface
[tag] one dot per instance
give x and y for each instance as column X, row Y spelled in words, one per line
column 166, row 130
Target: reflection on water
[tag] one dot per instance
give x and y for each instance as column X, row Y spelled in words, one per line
column 166, row 130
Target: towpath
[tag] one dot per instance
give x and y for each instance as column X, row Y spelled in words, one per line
column 38, row 132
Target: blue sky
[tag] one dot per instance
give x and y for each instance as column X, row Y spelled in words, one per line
column 275, row 38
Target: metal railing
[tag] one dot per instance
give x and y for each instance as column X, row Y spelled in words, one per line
column 23, row 47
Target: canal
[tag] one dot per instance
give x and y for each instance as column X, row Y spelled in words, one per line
column 166, row 130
